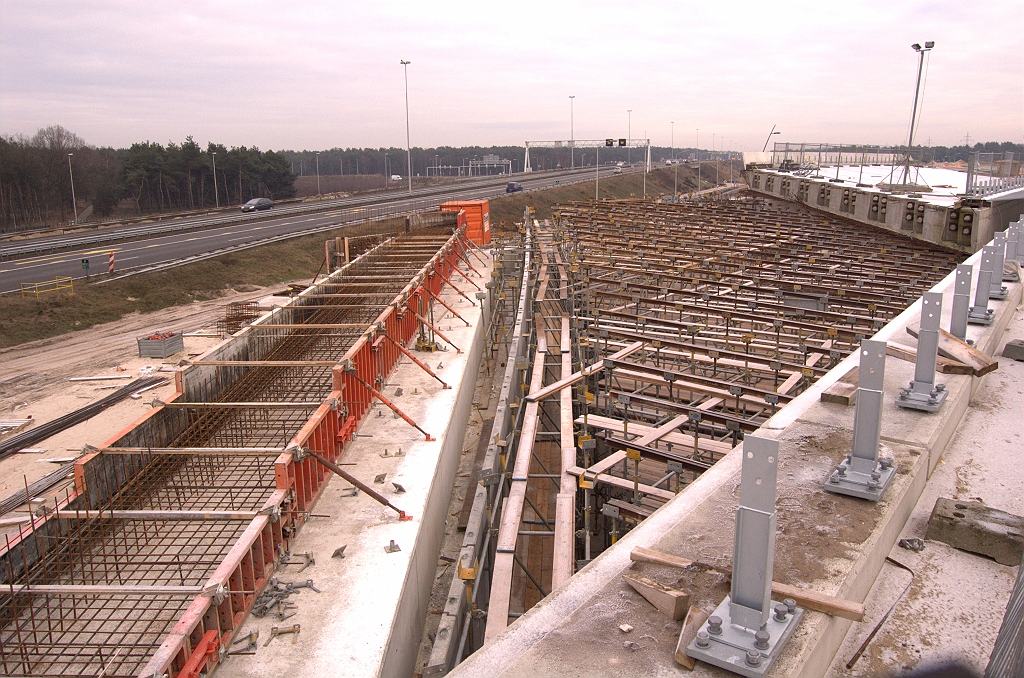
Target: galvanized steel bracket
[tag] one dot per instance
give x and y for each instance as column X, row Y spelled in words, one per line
column 743, row 636
column 961, row 301
column 862, row 474
column 980, row 313
column 923, row 393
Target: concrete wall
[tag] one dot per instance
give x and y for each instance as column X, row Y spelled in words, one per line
column 965, row 226
column 407, row 629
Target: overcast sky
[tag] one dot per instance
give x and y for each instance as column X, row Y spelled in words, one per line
column 313, row 75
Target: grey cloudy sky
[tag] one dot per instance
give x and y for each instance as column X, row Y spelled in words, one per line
column 294, row 75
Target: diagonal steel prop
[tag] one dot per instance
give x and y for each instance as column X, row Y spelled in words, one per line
column 358, row 483
column 438, row 300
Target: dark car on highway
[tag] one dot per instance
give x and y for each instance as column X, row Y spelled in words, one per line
column 258, row 204
column 513, row 186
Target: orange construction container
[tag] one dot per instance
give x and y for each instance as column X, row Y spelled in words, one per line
column 478, row 218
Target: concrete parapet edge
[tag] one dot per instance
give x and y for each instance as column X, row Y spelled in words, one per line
column 400, row 652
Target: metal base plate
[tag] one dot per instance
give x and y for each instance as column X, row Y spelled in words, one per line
column 981, row 316
column 1000, row 293
column 857, row 484
column 909, row 399
column 728, row 650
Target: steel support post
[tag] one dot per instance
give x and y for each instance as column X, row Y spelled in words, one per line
column 961, row 301
column 980, row 313
column 742, row 635
column 862, row 474
column 999, row 290
column 1012, row 250
column 1016, row 231
column 923, row 393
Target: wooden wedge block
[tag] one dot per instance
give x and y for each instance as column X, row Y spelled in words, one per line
column 695, row 618
column 951, row 347
column 641, row 555
column 812, row 600
column 844, row 391
column 672, row 602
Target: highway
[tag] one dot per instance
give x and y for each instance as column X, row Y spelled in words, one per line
column 181, row 239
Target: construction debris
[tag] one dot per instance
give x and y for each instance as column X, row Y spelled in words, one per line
column 695, row 618
column 671, row 601
column 976, row 528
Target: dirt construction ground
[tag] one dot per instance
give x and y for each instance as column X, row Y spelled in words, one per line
column 34, row 380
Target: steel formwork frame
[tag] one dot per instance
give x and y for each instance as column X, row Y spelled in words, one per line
column 159, row 591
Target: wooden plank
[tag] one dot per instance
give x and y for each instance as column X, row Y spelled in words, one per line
column 844, row 391
column 562, row 559
column 676, row 438
column 687, row 386
column 710, row 404
column 606, row 463
column 565, row 502
column 813, row 600
column 790, row 383
column 672, row 602
column 695, row 619
column 585, row 372
column 942, row 364
column 639, row 512
column 501, row 595
column 812, row 360
column 663, row 430
column 639, row 554
column 512, row 511
column 624, row 484
column 956, row 349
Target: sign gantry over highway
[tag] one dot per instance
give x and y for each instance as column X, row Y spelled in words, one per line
column 590, row 143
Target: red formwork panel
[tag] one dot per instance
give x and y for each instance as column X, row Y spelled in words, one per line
column 478, row 218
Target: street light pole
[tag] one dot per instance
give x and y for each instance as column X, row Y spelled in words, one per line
column 675, row 165
column 216, row 194
column 318, row 173
column 917, row 91
column 770, row 134
column 71, row 172
column 698, row 159
column 572, row 135
column 387, row 176
column 408, row 148
column 629, row 134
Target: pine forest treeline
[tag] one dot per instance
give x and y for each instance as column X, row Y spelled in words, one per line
column 146, row 178
column 150, row 178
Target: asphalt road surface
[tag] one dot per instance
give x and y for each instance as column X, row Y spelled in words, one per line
column 174, row 246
